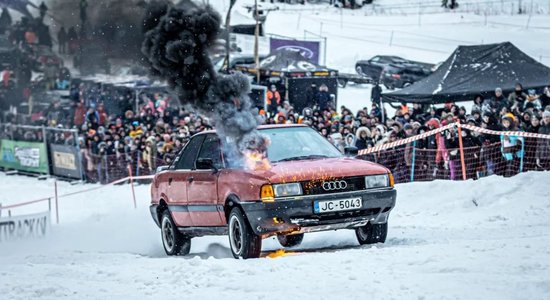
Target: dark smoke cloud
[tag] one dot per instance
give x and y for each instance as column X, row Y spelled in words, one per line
column 176, row 47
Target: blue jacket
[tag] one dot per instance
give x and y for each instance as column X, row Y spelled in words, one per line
column 514, row 142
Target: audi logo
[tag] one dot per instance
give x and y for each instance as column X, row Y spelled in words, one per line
column 335, row 185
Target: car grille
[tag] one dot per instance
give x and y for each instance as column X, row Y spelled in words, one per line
column 316, row 187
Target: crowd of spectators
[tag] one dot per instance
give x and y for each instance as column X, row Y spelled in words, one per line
column 153, row 135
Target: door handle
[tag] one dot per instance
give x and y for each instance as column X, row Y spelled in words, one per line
column 190, row 179
column 170, row 181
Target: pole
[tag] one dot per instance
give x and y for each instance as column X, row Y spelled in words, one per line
column 530, row 14
column 45, row 141
column 56, row 204
column 321, row 28
column 341, row 18
column 79, row 155
column 382, row 110
column 132, row 184
column 256, row 41
column 461, row 151
column 228, row 39
column 298, row 23
column 522, row 154
column 391, row 38
column 325, row 53
column 413, row 161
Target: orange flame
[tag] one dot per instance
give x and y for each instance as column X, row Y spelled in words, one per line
column 256, row 161
column 278, row 253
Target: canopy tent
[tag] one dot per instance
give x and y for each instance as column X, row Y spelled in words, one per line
column 294, row 75
column 473, row 70
column 288, row 63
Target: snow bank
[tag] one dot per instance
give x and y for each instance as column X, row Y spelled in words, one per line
column 483, row 239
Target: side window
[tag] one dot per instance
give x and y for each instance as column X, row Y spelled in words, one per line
column 211, row 149
column 187, row 158
column 375, row 59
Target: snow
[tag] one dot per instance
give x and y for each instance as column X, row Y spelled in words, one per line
column 485, row 239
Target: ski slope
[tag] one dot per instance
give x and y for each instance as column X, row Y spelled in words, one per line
column 441, row 245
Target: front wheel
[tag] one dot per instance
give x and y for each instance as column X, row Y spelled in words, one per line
column 243, row 241
column 173, row 241
column 290, row 240
column 372, row 233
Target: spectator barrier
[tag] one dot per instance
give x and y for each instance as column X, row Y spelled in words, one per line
column 410, row 159
column 57, row 196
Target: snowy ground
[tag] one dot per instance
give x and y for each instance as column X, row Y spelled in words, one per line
column 440, row 246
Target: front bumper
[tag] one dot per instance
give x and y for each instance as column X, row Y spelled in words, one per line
column 296, row 215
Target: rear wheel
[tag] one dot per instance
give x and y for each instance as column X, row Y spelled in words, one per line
column 372, row 233
column 173, row 241
column 290, row 240
column 243, row 241
column 359, row 70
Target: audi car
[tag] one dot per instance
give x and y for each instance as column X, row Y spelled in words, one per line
column 301, row 184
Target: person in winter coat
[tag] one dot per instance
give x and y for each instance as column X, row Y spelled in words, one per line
column 543, row 146
column 323, row 97
column 150, row 154
column 436, row 143
column 273, row 100
column 495, row 104
column 363, row 137
column 512, row 147
column 517, row 98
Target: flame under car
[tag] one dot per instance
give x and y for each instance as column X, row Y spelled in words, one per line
column 302, row 184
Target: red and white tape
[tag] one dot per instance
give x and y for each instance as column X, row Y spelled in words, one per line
column 465, row 126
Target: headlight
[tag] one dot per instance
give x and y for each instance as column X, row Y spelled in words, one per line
column 287, row 189
column 376, row 181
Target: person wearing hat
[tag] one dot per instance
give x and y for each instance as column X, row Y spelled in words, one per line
column 511, row 146
column 543, row 145
column 517, row 98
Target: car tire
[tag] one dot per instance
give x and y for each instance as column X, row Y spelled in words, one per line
column 173, row 241
column 342, row 83
column 406, row 84
column 288, row 241
column 359, row 70
column 372, row 233
column 244, row 243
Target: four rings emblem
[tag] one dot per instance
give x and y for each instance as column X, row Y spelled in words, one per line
column 335, row 185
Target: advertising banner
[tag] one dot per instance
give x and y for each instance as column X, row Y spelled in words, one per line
column 23, row 156
column 24, row 227
column 65, row 161
column 308, row 49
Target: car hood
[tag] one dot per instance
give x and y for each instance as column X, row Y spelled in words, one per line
column 320, row 169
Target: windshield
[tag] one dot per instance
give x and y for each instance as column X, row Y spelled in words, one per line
column 297, row 143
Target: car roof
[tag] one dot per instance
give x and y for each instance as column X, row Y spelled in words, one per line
column 262, row 127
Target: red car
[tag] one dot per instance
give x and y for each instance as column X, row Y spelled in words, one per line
column 309, row 186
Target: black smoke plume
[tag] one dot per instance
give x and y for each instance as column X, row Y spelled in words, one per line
column 176, row 46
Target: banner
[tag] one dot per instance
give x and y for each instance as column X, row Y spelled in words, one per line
column 65, row 161
column 308, row 49
column 23, row 156
column 24, row 227
column 244, row 43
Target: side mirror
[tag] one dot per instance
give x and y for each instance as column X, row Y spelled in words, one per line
column 351, row 151
column 161, row 168
column 205, row 164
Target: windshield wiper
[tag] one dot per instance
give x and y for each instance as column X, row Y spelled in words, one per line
column 303, row 157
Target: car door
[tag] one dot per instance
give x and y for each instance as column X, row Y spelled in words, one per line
column 373, row 69
column 202, row 186
column 177, row 180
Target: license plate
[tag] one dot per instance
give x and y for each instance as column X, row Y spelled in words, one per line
column 337, row 205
